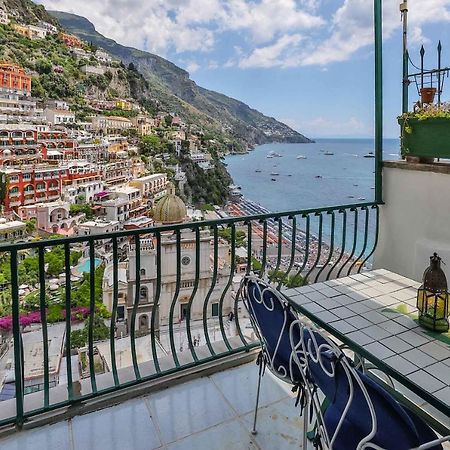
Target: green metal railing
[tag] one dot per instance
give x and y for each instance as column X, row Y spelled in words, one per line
column 289, row 248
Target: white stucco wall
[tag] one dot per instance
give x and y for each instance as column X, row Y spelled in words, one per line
column 415, row 220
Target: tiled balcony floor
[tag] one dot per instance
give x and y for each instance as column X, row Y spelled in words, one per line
column 210, row 413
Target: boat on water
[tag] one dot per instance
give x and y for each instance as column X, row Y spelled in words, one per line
column 351, row 196
column 274, row 174
column 318, row 176
column 273, row 154
column 361, row 198
column 258, row 170
column 328, row 153
column 369, row 155
column 301, row 157
column 273, row 179
column 355, row 185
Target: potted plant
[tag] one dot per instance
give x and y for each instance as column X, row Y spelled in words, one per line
column 425, row 133
column 427, row 95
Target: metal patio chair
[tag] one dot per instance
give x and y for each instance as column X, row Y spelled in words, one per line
column 360, row 414
column 272, row 318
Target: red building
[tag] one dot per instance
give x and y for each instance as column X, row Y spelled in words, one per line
column 57, row 145
column 13, row 78
column 19, row 147
column 70, row 40
column 40, row 183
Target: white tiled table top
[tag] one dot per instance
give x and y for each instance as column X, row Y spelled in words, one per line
column 376, row 311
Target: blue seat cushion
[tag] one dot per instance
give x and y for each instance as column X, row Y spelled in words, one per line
column 273, row 318
column 397, row 429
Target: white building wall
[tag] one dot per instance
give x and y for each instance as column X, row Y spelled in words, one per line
column 415, row 220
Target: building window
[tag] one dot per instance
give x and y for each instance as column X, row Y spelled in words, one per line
column 215, row 310
column 143, row 294
column 142, row 272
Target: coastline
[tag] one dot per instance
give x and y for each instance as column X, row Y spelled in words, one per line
column 317, row 251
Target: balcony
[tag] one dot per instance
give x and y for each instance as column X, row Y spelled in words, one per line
column 53, row 196
column 163, row 338
column 214, row 412
column 181, row 331
column 28, row 201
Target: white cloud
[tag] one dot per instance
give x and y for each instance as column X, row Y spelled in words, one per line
column 191, row 25
column 192, row 67
column 213, row 65
column 336, row 127
column 269, row 31
column 350, row 29
column 269, row 56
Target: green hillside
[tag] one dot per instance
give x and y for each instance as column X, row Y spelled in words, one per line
column 175, row 91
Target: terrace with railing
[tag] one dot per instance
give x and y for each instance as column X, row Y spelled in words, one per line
column 167, row 341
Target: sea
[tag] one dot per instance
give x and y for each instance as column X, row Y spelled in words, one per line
column 329, row 172
column 346, row 176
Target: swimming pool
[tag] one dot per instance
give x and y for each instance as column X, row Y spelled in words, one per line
column 85, row 266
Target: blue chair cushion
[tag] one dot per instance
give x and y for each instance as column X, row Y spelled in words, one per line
column 397, row 429
column 273, row 318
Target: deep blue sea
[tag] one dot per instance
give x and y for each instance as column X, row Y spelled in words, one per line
column 346, row 176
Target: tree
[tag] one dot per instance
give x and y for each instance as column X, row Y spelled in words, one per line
column 37, row 89
column 82, row 208
column 30, row 225
column 43, row 66
column 79, row 338
column 92, row 47
column 240, row 236
column 150, row 144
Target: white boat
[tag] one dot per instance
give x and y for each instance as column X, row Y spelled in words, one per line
column 274, row 174
column 361, row 198
column 328, row 153
column 301, row 157
column 369, row 155
column 273, row 154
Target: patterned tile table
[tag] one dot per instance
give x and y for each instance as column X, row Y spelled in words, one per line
column 375, row 314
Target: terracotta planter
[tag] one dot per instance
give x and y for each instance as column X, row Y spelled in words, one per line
column 427, row 95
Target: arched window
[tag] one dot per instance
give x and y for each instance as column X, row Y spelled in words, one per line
column 143, row 272
column 143, row 293
column 143, row 323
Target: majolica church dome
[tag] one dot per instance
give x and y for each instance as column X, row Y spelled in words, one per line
column 170, row 209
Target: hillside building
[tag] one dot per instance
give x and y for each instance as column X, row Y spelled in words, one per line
column 13, row 79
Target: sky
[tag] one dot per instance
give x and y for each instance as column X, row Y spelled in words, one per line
column 308, row 63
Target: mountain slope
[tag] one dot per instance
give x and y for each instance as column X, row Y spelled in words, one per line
column 175, row 91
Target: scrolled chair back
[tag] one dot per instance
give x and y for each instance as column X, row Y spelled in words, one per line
column 271, row 317
column 359, row 413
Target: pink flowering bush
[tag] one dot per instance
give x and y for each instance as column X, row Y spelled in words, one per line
column 76, row 314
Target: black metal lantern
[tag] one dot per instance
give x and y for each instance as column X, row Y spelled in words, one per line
column 433, row 298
